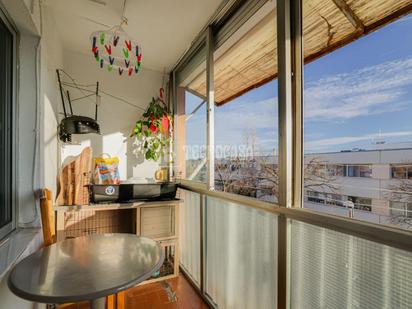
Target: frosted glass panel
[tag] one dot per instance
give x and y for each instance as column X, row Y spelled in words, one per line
column 241, row 256
column 190, row 234
column 334, row 270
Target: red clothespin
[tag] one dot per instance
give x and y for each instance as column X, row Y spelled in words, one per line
column 130, row 71
column 108, row 49
column 94, row 50
column 139, row 58
column 128, row 45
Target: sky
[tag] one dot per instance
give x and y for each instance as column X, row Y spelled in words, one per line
column 355, row 96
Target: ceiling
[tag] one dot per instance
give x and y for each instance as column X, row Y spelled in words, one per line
column 164, row 29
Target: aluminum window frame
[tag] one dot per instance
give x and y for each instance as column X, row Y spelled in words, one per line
column 13, row 136
column 291, row 156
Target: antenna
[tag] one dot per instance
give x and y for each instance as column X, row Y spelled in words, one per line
column 97, row 100
column 70, row 102
column 61, row 92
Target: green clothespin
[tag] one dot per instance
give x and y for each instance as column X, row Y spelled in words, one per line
column 126, row 52
column 109, row 68
column 102, row 38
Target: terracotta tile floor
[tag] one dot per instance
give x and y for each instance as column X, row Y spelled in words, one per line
column 175, row 293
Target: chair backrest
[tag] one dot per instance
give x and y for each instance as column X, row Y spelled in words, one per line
column 47, row 217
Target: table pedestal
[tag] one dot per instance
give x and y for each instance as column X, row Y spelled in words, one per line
column 99, row 303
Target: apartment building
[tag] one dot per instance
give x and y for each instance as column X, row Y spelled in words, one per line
column 375, row 182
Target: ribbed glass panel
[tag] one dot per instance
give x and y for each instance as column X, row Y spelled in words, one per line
column 334, row 270
column 241, row 256
column 190, row 234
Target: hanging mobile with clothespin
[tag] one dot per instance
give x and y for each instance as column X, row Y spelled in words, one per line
column 116, row 50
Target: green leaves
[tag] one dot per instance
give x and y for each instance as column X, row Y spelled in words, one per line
column 151, row 138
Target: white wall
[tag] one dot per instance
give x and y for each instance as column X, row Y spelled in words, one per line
column 51, row 59
column 38, row 163
column 116, row 118
column 26, row 127
column 36, row 103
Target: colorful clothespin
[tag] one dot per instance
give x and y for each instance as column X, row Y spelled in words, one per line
column 108, row 49
column 137, row 50
column 94, row 42
column 136, row 69
column 128, row 44
column 139, row 58
column 127, row 63
column 120, row 71
column 96, row 56
column 111, row 60
column 126, row 53
column 101, row 63
column 115, row 40
column 109, row 68
column 130, row 71
column 102, row 38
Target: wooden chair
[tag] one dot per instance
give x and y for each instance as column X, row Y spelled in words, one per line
column 47, row 217
column 49, row 236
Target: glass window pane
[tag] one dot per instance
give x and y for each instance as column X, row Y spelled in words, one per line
column 6, row 75
column 397, row 208
column 190, row 234
column 195, row 137
column 357, row 108
column 246, row 112
column 241, row 261
column 398, row 172
column 334, row 270
column 191, row 121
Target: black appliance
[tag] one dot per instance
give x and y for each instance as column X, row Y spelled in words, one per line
column 133, row 192
column 104, row 193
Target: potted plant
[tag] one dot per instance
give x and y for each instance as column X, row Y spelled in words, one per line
column 152, row 131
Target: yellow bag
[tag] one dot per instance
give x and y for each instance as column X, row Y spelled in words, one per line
column 106, row 171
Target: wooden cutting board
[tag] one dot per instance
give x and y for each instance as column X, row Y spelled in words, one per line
column 74, row 179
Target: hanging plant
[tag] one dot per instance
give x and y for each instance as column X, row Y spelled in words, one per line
column 152, row 131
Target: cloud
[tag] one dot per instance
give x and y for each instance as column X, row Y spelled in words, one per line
column 234, row 121
column 372, row 90
column 329, row 142
column 376, row 89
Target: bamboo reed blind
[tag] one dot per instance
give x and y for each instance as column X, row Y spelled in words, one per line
column 327, row 25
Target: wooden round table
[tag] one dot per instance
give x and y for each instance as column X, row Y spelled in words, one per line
column 85, row 268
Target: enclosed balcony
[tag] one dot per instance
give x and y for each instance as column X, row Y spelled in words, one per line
column 234, row 154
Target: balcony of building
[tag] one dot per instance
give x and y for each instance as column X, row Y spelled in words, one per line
column 263, row 147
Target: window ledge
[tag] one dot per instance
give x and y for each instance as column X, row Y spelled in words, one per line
column 18, row 245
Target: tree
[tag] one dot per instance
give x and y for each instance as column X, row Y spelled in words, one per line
column 401, row 190
column 254, row 174
column 316, row 177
